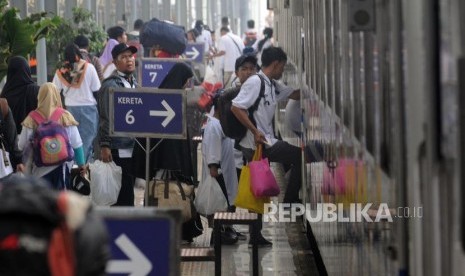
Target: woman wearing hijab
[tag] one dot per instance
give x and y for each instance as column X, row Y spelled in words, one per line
column 172, row 154
column 20, row 90
column 106, row 59
column 78, row 80
column 48, row 101
column 116, row 35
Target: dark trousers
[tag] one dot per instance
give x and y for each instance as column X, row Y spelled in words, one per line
column 126, row 194
column 57, row 180
column 238, row 171
column 288, row 155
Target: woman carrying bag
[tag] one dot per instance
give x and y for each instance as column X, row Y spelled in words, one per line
column 49, row 102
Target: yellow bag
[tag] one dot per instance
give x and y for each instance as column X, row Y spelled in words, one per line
column 245, row 198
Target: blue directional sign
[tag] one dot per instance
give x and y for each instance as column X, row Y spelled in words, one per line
column 195, row 51
column 143, row 241
column 156, row 113
column 154, row 70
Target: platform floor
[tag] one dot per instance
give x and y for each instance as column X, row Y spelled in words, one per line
column 289, row 255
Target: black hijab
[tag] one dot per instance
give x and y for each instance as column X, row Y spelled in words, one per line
column 177, row 76
column 170, row 154
column 20, row 90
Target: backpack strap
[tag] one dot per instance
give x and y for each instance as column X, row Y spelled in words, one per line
column 254, row 107
column 4, row 108
column 260, row 95
column 56, row 115
column 37, row 117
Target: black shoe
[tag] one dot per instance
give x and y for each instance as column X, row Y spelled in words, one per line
column 227, row 237
column 261, row 242
column 241, row 236
column 231, row 230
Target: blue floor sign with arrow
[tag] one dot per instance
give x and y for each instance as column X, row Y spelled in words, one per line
column 135, row 264
column 147, row 113
column 142, row 241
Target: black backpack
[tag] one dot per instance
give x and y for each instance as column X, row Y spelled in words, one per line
column 231, row 126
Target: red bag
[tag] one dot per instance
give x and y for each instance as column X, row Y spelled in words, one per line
column 206, row 99
column 263, row 183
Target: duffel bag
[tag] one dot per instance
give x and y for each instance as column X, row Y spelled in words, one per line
column 171, row 38
column 166, row 192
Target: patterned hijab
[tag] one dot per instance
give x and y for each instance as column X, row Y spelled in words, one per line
column 48, row 100
column 73, row 71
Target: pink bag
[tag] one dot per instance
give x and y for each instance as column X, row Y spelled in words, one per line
column 263, row 183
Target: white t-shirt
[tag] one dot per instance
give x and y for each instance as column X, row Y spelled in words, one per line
column 232, row 45
column 82, row 95
column 218, row 149
column 205, row 37
column 250, row 91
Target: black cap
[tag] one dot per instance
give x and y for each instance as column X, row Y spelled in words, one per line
column 122, row 47
column 245, row 58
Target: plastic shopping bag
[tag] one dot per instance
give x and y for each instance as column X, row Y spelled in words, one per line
column 210, row 75
column 245, row 199
column 209, row 197
column 263, row 182
column 105, row 182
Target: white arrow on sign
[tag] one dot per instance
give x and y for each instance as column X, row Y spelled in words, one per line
column 194, row 53
column 168, row 113
column 137, row 265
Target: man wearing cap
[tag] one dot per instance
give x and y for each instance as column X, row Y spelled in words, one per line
column 118, row 149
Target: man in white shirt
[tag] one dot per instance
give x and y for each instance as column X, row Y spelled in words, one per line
column 204, row 35
column 230, row 46
column 224, row 23
column 261, row 132
column 273, row 61
column 250, row 35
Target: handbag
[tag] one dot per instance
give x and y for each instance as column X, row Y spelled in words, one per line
column 210, row 197
column 205, row 100
column 245, row 198
column 263, row 182
column 166, row 192
column 80, row 184
column 106, row 182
